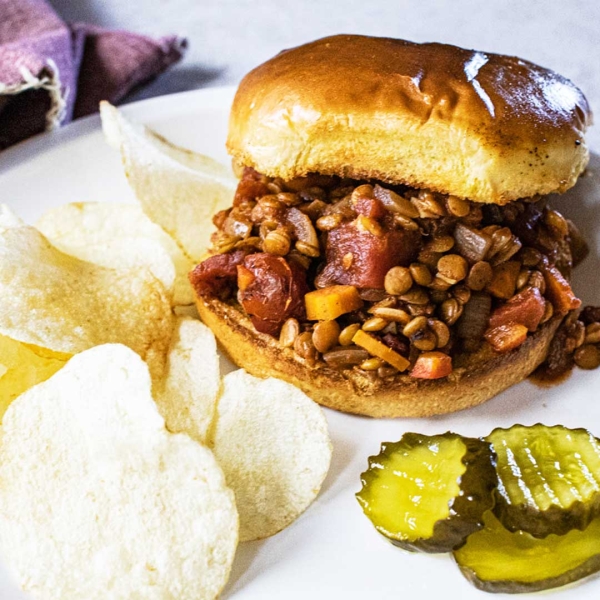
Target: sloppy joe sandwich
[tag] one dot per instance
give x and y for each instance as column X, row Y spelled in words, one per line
column 391, row 249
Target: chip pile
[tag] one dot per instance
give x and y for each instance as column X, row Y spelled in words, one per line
column 128, row 466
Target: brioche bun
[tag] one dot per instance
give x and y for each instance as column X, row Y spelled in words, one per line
column 477, row 377
column 486, row 127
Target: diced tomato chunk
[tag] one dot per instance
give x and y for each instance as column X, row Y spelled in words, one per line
column 216, row 275
column 432, row 365
column 271, row 291
column 506, row 337
column 526, row 308
column 360, row 258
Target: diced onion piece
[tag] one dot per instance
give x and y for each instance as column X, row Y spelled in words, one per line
column 380, row 350
column 471, row 243
column 331, row 302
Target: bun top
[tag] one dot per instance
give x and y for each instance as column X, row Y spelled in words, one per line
column 482, row 126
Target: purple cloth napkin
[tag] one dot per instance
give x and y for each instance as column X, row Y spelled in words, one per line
column 52, row 72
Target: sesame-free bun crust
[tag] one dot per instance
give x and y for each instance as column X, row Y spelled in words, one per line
column 476, row 377
column 482, row 126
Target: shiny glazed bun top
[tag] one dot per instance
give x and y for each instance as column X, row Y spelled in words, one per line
column 486, row 127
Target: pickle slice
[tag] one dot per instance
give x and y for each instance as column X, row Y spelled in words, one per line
column 548, row 478
column 428, row 493
column 497, row 560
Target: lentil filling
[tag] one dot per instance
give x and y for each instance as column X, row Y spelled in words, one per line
column 387, row 279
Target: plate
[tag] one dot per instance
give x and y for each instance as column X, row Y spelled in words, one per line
column 332, row 551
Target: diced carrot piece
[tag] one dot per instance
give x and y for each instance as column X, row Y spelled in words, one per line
column 526, row 308
column 506, row 337
column 559, row 290
column 432, row 365
column 504, row 280
column 380, row 350
column 331, row 302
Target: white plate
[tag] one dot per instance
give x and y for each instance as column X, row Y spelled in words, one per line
column 332, row 551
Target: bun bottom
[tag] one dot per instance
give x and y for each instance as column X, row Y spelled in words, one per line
column 477, row 377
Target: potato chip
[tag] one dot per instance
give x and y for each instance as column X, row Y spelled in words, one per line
column 187, row 396
column 272, row 442
column 22, row 366
column 58, row 302
column 193, row 160
column 98, row 500
column 119, row 236
column 178, row 190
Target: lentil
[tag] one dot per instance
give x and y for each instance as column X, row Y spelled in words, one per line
column 462, row 293
column 428, row 206
column 396, row 203
column 346, row 335
column 325, row 335
column 523, row 279
column 429, row 258
column 289, row 333
column 452, row 267
column 329, row 222
column 362, row 191
column 406, row 223
column 345, row 357
column 556, row 223
column 548, row 312
column 425, row 341
column 371, row 364
column 440, row 285
column 224, row 243
column 536, row 279
column 370, row 225
column 288, row 198
column 304, row 347
column 416, row 310
column 442, row 333
column 307, row 249
column 374, row 324
column 386, row 371
column 587, row 357
column 442, row 243
column 415, row 296
column 479, row 276
column 277, row 242
column 398, row 281
column 397, row 315
column 592, row 333
column 530, row 257
column 420, row 274
column 414, row 326
column 450, row 311
column 458, row 207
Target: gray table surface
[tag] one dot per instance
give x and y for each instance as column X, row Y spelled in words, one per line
column 229, row 37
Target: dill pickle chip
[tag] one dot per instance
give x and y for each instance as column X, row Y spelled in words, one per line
column 428, row 493
column 548, row 478
column 495, row 559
